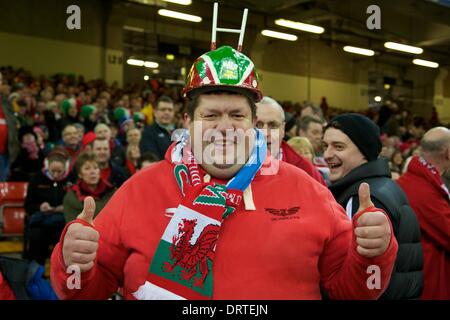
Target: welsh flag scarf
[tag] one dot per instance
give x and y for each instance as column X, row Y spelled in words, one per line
column 183, row 262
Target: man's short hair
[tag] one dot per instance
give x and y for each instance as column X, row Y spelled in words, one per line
column 272, row 102
column 306, row 121
column 78, row 125
column 101, row 125
column 166, row 99
column 98, row 139
column 194, row 101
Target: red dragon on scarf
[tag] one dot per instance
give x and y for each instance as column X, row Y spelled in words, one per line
column 192, row 256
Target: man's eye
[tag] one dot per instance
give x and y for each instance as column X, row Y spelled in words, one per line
column 238, row 116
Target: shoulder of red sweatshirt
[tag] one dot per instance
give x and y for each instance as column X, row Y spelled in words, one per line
column 5, row 291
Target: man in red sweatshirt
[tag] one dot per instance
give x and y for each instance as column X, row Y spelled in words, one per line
column 5, row 291
column 216, row 230
column 430, row 199
column 270, row 117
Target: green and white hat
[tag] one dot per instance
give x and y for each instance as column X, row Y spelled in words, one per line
column 224, row 68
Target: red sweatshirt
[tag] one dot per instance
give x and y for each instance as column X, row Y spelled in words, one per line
column 5, row 291
column 260, row 254
column 431, row 204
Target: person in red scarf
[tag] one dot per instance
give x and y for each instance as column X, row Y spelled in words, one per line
column 430, row 199
column 89, row 184
column 133, row 158
column 118, row 155
column 109, row 171
column 71, row 142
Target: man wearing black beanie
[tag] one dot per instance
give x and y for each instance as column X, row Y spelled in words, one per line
column 351, row 147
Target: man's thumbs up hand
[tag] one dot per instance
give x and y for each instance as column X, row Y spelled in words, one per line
column 88, row 211
column 81, row 242
column 364, row 197
column 373, row 231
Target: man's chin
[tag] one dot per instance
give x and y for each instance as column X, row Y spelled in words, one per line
column 221, row 171
column 335, row 177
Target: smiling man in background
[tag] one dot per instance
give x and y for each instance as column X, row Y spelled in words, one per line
column 351, row 147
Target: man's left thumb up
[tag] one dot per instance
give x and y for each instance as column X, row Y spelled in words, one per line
column 364, row 197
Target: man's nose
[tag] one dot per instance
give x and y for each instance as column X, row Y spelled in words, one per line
column 265, row 130
column 224, row 123
column 327, row 153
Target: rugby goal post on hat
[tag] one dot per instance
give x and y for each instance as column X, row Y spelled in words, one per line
column 216, row 29
column 224, row 68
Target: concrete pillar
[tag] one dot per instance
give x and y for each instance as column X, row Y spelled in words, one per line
column 113, row 45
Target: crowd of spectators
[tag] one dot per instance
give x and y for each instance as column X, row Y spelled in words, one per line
column 70, row 138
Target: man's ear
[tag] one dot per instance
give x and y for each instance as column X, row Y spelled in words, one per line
column 186, row 120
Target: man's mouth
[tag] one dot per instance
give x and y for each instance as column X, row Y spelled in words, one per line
column 334, row 165
column 223, row 166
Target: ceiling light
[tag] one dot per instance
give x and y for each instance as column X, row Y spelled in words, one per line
column 135, row 62
column 426, row 63
column 279, row 35
column 182, row 2
column 156, row 71
column 377, row 99
column 179, row 15
column 403, row 47
column 387, row 86
column 146, row 78
column 362, row 51
column 135, row 29
column 173, row 81
column 299, row 26
column 150, row 64
column 170, row 56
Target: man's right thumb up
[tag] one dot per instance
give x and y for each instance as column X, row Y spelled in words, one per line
column 88, row 210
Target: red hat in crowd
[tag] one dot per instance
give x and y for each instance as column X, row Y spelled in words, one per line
column 87, row 139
